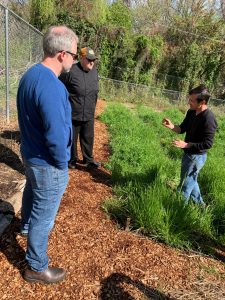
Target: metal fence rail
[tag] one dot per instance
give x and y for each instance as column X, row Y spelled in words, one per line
column 20, row 48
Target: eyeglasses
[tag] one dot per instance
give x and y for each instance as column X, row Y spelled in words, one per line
column 74, row 56
column 90, row 60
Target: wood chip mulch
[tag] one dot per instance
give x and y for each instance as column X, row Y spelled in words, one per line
column 103, row 262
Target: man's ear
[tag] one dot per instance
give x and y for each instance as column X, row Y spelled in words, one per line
column 202, row 102
column 61, row 56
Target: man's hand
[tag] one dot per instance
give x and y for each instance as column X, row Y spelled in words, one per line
column 180, row 144
column 167, row 123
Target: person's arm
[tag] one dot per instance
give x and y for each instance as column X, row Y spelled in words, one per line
column 208, row 133
column 182, row 144
column 55, row 110
column 98, row 78
column 66, row 79
column 167, row 123
column 179, row 129
column 207, row 136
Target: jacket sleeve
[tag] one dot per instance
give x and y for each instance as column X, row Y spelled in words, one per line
column 184, row 124
column 98, row 78
column 210, row 126
column 54, row 109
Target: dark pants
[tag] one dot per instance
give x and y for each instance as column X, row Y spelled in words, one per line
column 85, row 131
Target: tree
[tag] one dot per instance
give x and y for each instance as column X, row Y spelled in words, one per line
column 42, row 13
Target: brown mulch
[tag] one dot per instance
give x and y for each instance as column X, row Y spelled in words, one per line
column 11, row 169
column 103, row 262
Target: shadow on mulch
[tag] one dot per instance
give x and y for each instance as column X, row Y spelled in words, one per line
column 10, row 247
column 217, row 251
column 98, row 175
column 11, row 159
column 6, row 208
column 11, row 135
column 112, row 289
column 207, row 246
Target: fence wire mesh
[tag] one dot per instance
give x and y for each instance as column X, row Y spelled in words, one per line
column 112, row 89
column 24, row 45
column 2, row 61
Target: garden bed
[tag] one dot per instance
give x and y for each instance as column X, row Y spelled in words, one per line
column 103, row 262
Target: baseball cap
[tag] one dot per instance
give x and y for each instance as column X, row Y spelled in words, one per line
column 88, row 53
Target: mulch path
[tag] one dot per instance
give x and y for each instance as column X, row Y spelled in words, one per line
column 102, row 261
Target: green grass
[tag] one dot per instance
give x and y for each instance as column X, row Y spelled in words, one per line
column 145, row 170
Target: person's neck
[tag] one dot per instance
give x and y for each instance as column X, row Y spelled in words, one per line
column 53, row 64
column 201, row 109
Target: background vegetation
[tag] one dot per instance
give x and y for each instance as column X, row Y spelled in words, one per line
column 169, row 44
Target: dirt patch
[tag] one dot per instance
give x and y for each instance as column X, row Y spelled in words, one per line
column 103, row 262
column 11, row 168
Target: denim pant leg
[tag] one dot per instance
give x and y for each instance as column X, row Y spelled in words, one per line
column 190, row 168
column 27, row 201
column 48, row 185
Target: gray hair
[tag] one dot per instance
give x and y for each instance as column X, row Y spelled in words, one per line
column 58, row 38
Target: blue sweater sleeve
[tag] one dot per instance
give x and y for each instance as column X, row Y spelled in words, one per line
column 54, row 110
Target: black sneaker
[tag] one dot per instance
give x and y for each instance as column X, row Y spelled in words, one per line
column 94, row 164
column 72, row 164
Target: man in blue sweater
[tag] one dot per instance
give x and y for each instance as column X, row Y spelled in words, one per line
column 44, row 116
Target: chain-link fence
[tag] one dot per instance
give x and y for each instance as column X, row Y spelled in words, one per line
column 20, row 48
column 116, row 90
column 122, row 91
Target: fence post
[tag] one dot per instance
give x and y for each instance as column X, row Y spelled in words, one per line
column 7, row 63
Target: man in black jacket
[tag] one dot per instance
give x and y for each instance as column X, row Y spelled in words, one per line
column 200, row 126
column 82, row 85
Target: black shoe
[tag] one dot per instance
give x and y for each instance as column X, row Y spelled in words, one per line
column 50, row 275
column 24, row 234
column 94, row 164
column 72, row 164
column 83, row 162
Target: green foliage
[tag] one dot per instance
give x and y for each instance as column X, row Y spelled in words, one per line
column 133, row 46
column 119, row 15
column 148, row 53
column 97, row 14
column 146, row 169
column 42, row 13
column 83, row 28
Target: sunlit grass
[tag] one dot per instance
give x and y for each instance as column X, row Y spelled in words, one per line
column 145, row 170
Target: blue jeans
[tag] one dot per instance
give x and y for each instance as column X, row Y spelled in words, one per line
column 190, row 167
column 43, row 191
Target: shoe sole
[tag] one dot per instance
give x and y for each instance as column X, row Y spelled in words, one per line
column 31, row 280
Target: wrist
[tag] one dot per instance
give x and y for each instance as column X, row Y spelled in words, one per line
column 189, row 145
